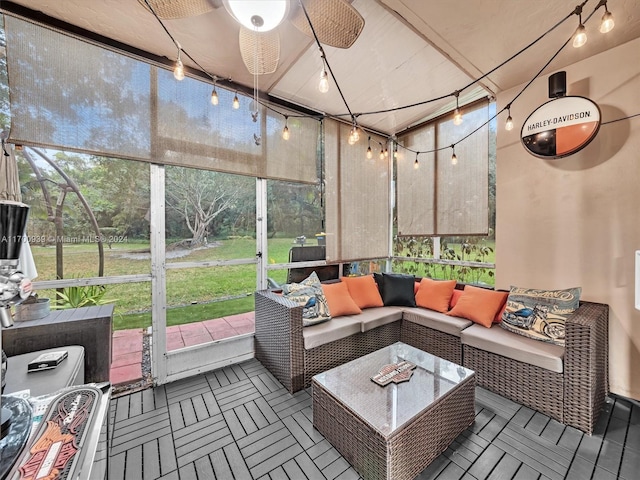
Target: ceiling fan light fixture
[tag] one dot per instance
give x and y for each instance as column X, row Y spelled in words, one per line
column 258, row 15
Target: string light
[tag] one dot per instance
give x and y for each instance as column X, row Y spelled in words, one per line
column 509, row 123
column 579, row 39
column 369, row 151
column 416, row 165
column 354, row 134
column 607, row 23
column 214, row 93
column 323, row 86
column 457, row 115
column 386, row 152
column 285, row 130
column 178, row 71
column 454, row 158
column 381, row 156
column 580, row 35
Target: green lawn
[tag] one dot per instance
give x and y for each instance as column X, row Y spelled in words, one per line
column 193, row 294
column 196, row 294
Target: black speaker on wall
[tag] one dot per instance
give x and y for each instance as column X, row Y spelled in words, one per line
column 558, row 84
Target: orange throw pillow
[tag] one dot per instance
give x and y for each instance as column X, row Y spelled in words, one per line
column 498, row 317
column 455, row 297
column 364, row 291
column 435, row 294
column 479, row 305
column 339, row 301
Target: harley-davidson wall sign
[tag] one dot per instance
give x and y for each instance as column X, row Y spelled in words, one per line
column 561, row 127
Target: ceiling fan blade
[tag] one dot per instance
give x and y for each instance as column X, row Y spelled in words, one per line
column 336, row 22
column 260, row 50
column 172, row 9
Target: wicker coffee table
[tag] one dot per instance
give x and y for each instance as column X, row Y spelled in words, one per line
column 395, row 431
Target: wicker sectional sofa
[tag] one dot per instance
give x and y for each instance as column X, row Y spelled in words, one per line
column 567, row 383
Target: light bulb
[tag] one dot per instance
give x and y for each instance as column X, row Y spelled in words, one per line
column 580, row 36
column 356, row 134
column 323, row 86
column 369, row 153
column 457, row 117
column 236, row 102
column 351, row 140
column 416, row 165
column 214, row 97
column 607, row 23
column 285, row 133
column 381, row 155
column 178, row 72
column 454, row 159
column 509, row 124
column 395, row 154
column 386, row 152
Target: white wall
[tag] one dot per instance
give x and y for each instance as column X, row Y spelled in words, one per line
column 576, row 221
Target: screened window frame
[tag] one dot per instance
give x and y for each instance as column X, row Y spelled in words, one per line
column 430, row 160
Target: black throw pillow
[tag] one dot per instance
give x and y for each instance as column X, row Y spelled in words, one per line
column 397, row 289
column 378, row 279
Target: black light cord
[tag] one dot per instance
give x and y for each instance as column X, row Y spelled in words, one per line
column 325, row 60
column 576, row 11
column 214, row 78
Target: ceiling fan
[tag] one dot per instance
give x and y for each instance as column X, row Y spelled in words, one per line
column 335, row 22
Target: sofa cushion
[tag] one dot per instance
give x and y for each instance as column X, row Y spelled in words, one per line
column 364, row 291
column 501, row 342
column 540, row 314
column 479, row 305
column 436, row 320
column 334, row 329
column 397, row 289
column 339, row 301
column 376, row 317
column 309, row 294
column 435, row 294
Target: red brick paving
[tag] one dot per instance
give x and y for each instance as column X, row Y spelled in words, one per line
column 126, row 362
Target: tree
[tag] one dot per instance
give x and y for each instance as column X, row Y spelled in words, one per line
column 200, row 197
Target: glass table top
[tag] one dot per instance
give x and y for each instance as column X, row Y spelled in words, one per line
column 388, row 408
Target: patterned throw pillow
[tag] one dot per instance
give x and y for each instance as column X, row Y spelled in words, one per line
column 309, row 294
column 540, row 314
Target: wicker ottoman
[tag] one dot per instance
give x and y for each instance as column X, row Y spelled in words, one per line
column 395, row 431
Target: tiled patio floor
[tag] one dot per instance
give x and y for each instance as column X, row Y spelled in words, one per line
column 240, row 423
column 127, row 347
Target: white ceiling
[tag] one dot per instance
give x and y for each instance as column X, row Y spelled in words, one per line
column 410, row 51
